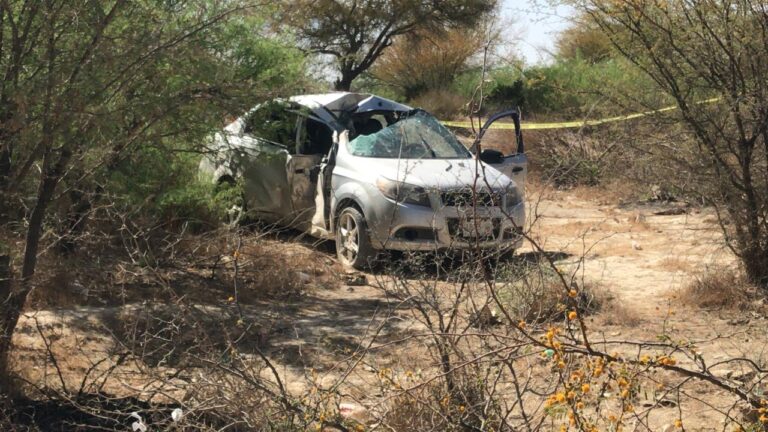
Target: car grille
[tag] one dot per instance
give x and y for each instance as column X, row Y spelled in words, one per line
column 464, row 230
column 465, row 198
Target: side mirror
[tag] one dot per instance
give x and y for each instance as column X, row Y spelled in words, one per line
column 491, row 156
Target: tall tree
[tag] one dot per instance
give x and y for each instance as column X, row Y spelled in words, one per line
column 355, row 33
column 428, row 61
column 710, row 57
column 87, row 81
column 585, row 40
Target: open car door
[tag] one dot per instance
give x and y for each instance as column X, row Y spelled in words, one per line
column 515, row 165
column 306, row 167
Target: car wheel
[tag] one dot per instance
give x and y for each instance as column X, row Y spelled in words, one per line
column 353, row 246
column 233, row 203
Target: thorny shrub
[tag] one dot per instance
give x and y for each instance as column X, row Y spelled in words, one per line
column 723, row 288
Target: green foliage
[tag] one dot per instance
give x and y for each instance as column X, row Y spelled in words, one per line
column 356, row 34
column 564, row 90
column 164, row 184
column 273, row 121
column 584, row 40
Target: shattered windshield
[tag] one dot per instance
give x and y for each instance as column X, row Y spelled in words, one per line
column 418, row 136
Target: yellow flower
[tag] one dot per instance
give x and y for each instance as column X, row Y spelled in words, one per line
column 236, row 254
column 461, row 408
column 572, row 315
column 560, row 397
column 230, row 299
column 521, row 325
column 585, row 388
column 572, row 293
column 679, row 424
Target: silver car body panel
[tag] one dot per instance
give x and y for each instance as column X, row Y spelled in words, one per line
column 291, row 189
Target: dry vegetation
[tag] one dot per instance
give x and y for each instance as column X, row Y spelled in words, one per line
column 225, row 322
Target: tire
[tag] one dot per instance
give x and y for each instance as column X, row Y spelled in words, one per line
column 233, row 202
column 353, row 244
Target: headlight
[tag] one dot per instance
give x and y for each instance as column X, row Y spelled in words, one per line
column 403, row 192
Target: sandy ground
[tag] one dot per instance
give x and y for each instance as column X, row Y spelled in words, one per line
column 640, row 258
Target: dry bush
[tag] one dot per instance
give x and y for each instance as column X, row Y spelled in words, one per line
column 613, row 312
column 200, row 267
column 428, row 60
column 429, row 406
column 723, row 288
column 535, row 293
column 443, row 104
column 570, row 159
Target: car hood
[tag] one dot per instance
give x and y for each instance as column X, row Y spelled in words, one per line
column 434, row 173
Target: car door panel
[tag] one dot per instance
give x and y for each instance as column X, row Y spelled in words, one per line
column 303, row 171
column 266, row 184
column 515, row 167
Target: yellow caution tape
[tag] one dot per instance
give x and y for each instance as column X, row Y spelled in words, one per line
column 570, row 124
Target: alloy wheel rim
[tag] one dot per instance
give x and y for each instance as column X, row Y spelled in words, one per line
column 350, row 238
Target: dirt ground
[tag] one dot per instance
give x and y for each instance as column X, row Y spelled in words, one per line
column 640, row 258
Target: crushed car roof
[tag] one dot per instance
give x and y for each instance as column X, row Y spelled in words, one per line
column 349, row 102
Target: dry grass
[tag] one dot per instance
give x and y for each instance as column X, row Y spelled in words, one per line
column 613, row 312
column 675, row 264
column 722, row 288
column 536, row 293
column 200, row 268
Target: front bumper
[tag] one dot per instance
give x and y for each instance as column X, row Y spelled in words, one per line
column 408, row 227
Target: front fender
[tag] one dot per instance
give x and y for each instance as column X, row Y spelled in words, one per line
column 351, row 191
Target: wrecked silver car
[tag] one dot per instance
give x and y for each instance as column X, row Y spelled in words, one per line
column 372, row 174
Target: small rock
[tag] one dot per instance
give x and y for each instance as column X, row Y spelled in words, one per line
column 666, row 403
column 739, row 321
column 485, row 317
column 355, row 279
column 303, row 277
column 671, row 212
column 636, row 245
column 744, row 377
column 354, row 412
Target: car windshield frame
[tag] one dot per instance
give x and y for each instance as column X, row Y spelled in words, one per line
column 416, row 135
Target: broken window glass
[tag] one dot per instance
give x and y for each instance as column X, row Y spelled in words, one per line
column 417, row 136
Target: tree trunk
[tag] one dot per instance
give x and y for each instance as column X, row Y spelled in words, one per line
column 77, row 218
column 13, row 303
column 344, row 83
column 5, row 334
column 755, row 261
